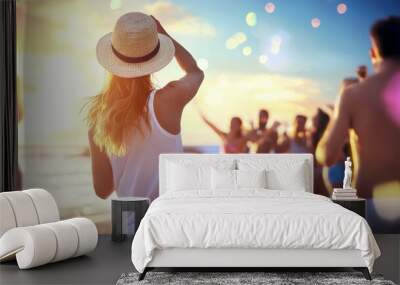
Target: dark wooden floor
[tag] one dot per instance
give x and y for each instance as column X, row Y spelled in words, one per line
column 103, row 266
column 106, row 264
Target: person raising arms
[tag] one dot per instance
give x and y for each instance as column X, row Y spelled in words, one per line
column 234, row 141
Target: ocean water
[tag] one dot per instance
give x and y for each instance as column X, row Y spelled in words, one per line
column 65, row 171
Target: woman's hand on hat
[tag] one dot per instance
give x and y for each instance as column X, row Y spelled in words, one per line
column 160, row 28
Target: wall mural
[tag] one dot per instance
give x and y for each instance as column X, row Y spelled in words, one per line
column 274, row 72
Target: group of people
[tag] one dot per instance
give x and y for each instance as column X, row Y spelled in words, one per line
column 131, row 123
column 265, row 138
column 268, row 139
column 361, row 125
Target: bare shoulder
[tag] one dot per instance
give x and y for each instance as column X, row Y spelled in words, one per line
column 183, row 90
column 369, row 86
column 350, row 94
column 169, row 93
column 357, row 90
column 164, row 97
column 362, row 94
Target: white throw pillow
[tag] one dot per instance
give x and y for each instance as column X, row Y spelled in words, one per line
column 291, row 175
column 251, row 178
column 291, row 180
column 223, row 179
column 181, row 178
column 193, row 174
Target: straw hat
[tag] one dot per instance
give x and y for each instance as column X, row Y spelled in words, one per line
column 134, row 48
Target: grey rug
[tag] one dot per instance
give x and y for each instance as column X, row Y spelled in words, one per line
column 243, row 278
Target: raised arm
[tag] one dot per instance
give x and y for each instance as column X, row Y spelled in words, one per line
column 184, row 89
column 218, row 131
column 331, row 143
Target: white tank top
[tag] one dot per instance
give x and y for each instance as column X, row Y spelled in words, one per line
column 136, row 173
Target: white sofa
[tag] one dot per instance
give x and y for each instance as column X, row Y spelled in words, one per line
column 31, row 230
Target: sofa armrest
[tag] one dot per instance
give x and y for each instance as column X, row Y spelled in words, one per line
column 41, row 244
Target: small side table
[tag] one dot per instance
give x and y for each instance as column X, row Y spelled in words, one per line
column 138, row 205
column 357, row 206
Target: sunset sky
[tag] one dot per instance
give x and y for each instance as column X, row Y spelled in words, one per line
column 285, row 57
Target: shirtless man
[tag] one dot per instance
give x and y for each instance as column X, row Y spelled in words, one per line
column 255, row 133
column 365, row 108
column 265, row 138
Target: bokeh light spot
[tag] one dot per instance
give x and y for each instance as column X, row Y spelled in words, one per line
column 263, row 59
column 341, row 8
column 235, row 40
column 269, row 7
column 315, row 23
column 275, row 49
column 115, row 4
column 386, row 199
column 276, row 42
column 202, row 63
column 251, row 19
column 247, row 50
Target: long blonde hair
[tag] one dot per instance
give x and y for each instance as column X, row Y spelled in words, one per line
column 117, row 111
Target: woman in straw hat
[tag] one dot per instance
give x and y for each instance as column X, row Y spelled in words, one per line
column 130, row 122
